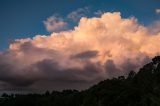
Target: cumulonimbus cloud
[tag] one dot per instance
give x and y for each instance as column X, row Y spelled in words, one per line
column 96, row 49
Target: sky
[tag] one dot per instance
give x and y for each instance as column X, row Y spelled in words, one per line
column 72, row 44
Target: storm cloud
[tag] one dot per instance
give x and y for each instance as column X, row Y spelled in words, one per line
column 98, row 48
column 86, row 54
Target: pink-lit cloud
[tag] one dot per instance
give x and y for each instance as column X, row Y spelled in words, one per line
column 96, row 49
column 55, row 23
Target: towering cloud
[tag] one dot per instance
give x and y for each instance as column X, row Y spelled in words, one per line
column 96, row 49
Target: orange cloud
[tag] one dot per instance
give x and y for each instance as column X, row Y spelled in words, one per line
column 111, row 44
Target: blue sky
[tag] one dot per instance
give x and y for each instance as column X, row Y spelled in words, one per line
column 24, row 18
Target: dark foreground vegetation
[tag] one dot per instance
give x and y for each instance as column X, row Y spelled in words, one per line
column 138, row 89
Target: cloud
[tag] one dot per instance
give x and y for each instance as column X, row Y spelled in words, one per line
column 98, row 48
column 158, row 11
column 154, row 27
column 99, row 13
column 76, row 15
column 86, row 54
column 55, row 23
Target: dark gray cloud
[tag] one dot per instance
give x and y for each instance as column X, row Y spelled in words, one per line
column 52, row 71
column 111, row 69
column 47, row 70
column 47, row 73
column 86, row 54
column 9, row 75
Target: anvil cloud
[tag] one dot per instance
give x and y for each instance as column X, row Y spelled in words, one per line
column 96, row 49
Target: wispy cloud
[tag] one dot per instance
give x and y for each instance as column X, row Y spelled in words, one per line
column 77, row 14
column 55, row 23
column 99, row 13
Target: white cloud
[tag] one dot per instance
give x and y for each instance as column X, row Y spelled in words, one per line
column 54, row 23
column 158, row 11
